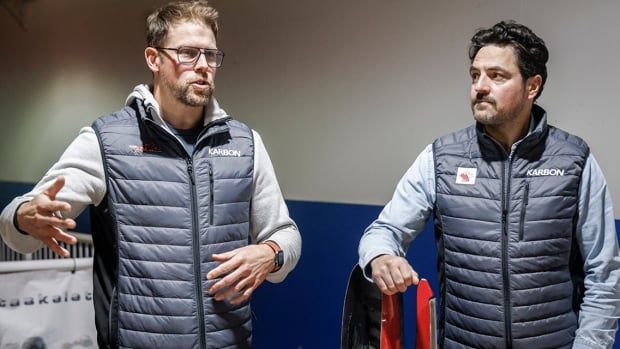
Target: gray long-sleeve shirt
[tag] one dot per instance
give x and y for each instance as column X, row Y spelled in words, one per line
column 405, row 216
column 82, row 166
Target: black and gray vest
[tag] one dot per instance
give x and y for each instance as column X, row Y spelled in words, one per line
column 165, row 213
column 510, row 271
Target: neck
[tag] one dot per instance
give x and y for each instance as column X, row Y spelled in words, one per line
column 177, row 114
column 508, row 133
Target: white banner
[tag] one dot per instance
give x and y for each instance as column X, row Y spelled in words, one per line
column 47, row 309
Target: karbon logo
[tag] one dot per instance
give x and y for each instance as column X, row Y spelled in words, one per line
column 43, row 299
column 224, row 152
column 539, row 172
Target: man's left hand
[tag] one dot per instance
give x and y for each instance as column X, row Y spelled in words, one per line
column 243, row 270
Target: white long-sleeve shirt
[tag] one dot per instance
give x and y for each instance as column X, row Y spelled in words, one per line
column 82, row 166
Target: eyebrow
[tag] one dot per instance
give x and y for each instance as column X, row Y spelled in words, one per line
column 493, row 68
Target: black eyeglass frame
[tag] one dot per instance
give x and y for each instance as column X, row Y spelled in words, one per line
column 219, row 55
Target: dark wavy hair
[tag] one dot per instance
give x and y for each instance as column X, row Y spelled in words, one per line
column 532, row 54
column 159, row 21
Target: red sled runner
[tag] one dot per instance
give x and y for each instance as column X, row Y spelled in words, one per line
column 372, row 320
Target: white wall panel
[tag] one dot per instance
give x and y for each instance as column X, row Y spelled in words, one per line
column 345, row 93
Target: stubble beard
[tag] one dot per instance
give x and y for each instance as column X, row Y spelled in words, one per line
column 491, row 116
column 191, row 98
column 185, row 94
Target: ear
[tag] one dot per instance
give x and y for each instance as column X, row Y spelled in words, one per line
column 533, row 85
column 153, row 59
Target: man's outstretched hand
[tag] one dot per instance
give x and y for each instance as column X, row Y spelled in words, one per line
column 41, row 218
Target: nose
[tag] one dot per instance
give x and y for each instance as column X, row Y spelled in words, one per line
column 481, row 85
column 201, row 63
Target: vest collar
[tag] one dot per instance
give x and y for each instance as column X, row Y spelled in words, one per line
column 215, row 118
column 537, row 133
column 538, row 130
column 143, row 96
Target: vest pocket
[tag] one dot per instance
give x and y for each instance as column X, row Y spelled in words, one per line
column 526, row 193
column 211, row 194
column 113, row 320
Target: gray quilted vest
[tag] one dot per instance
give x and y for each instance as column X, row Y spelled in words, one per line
column 164, row 215
column 510, row 271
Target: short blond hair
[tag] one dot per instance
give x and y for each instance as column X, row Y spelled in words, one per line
column 159, row 21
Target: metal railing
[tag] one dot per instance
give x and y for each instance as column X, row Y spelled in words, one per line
column 83, row 249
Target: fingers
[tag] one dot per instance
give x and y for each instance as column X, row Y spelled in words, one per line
column 222, row 257
column 54, row 246
column 228, row 281
column 60, row 235
column 237, row 294
column 51, row 241
column 223, row 269
column 53, row 189
column 236, row 291
column 246, row 284
column 65, row 223
column 393, row 274
column 403, row 276
column 224, row 294
column 383, row 286
column 410, row 277
column 48, row 207
column 242, row 297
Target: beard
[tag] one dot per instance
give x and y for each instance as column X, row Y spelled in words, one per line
column 489, row 114
column 184, row 92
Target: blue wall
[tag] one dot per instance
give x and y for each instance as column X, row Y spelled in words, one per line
column 308, row 306
column 305, row 311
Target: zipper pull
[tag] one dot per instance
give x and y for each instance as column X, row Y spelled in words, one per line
column 190, row 170
column 526, row 193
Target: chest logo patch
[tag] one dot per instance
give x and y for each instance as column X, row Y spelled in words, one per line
column 144, row 148
column 466, row 175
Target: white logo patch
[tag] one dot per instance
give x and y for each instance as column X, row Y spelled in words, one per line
column 466, row 175
column 538, row 172
column 224, row 152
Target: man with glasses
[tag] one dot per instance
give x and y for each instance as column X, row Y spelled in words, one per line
column 527, row 248
column 187, row 215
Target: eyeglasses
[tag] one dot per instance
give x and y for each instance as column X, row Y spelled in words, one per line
column 191, row 55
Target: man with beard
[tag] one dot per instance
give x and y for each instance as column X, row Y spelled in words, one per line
column 527, row 248
column 187, row 215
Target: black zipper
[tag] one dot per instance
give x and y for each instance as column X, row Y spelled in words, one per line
column 506, row 175
column 195, row 223
column 526, row 193
column 196, row 252
column 505, row 240
column 195, row 230
column 505, row 266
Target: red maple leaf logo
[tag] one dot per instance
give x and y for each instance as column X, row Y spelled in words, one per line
column 464, row 177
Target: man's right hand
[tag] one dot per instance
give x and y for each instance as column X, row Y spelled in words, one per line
column 36, row 217
column 393, row 274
